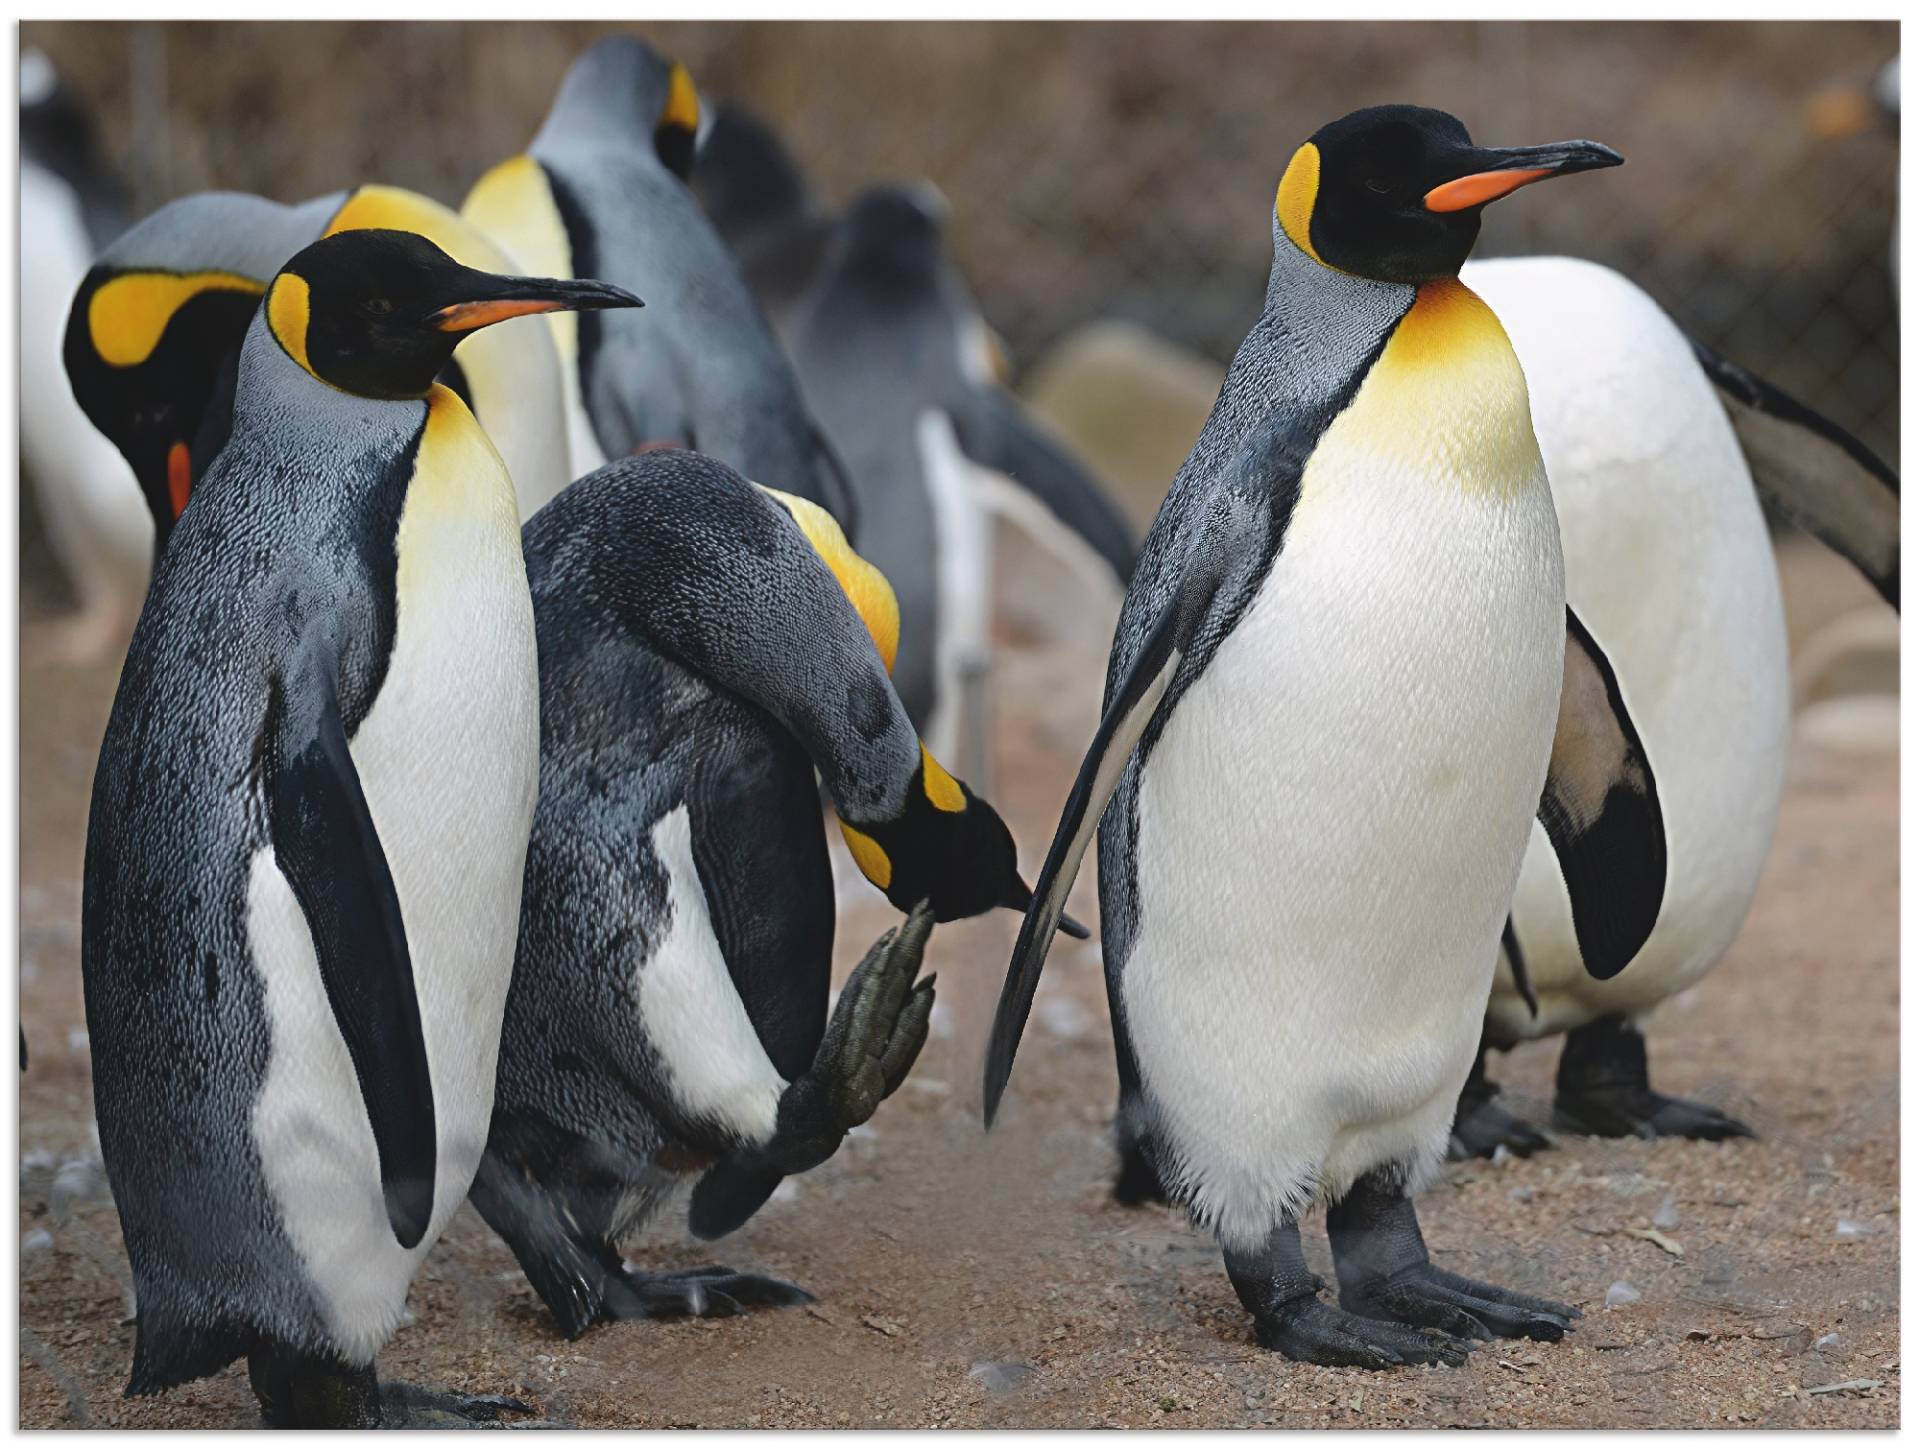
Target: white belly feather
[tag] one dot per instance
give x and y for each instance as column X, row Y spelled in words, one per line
column 1332, row 821
column 449, row 759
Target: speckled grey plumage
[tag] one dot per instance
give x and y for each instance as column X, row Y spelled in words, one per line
column 223, row 231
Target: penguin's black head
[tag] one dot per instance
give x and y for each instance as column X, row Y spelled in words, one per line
column 145, row 352
column 1394, row 193
column 378, row 313
column 947, row 847
column 890, row 238
column 622, row 84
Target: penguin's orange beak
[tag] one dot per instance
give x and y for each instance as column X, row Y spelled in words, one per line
column 179, row 477
column 487, row 299
column 1492, row 174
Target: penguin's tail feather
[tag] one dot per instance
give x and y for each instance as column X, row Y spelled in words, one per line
column 1813, row 472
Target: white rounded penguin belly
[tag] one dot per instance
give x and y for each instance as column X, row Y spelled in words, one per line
column 1332, row 821
column 448, row 757
column 1670, row 566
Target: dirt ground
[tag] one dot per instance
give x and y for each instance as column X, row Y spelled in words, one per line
column 980, row 1282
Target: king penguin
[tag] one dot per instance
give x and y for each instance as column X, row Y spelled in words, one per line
column 154, row 331
column 760, row 201
column 71, row 205
column 1658, row 484
column 889, row 350
column 299, row 912
column 602, row 191
column 1344, row 681
column 706, row 645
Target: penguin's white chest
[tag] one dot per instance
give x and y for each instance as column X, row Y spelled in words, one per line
column 1333, row 818
column 448, row 757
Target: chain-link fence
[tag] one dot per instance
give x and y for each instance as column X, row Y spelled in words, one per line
column 1117, row 169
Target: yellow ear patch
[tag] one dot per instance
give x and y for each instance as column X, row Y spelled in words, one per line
column 868, row 855
column 127, row 316
column 1293, row 204
column 942, row 789
column 864, row 585
column 289, row 308
column 390, row 208
column 683, row 102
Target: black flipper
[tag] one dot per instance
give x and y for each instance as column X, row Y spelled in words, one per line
column 1517, row 963
column 327, row 848
column 1602, row 813
column 1814, row 472
column 1238, row 520
column 996, row 434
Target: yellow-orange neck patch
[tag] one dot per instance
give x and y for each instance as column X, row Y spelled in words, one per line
column 942, row 789
column 864, row 585
column 868, row 855
column 1293, row 203
column 289, row 309
column 128, row 315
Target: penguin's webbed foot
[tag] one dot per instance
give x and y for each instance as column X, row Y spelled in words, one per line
column 1642, row 1112
column 1482, row 1127
column 410, row 1406
column 712, row 1291
column 1428, row 1297
column 1309, row 1331
column 1602, row 1088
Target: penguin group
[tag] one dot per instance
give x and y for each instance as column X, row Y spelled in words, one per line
column 525, row 575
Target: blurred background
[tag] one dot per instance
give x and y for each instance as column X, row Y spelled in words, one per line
column 1125, row 171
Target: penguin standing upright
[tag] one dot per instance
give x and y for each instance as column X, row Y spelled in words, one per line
column 1669, row 559
column 603, row 191
column 299, row 910
column 761, row 203
column 1344, row 680
column 70, row 207
column 154, row 331
column 890, row 354
column 705, row 646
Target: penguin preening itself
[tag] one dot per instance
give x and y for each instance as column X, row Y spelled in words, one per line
column 71, row 205
column 155, row 329
column 890, row 353
column 299, row 911
column 705, row 646
column 1669, row 559
column 1344, row 681
column 602, row 191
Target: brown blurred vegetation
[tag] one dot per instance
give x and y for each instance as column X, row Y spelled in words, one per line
column 1122, row 169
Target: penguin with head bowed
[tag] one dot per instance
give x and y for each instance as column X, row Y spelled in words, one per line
column 892, row 356
column 706, row 645
column 154, row 332
column 1668, row 557
column 602, row 191
column 1344, row 682
column 299, row 911
column 71, row 205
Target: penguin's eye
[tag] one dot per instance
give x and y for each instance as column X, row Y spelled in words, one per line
column 1377, row 186
column 378, row 307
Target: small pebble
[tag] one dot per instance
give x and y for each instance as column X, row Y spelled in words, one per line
column 1520, row 1194
column 1848, row 1230
column 36, row 1242
column 1666, row 1215
column 1501, row 1156
column 1621, row 1292
column 1063, row 1017
column 1827, row 1340
column 1003, row 1378
column 77, row 1039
